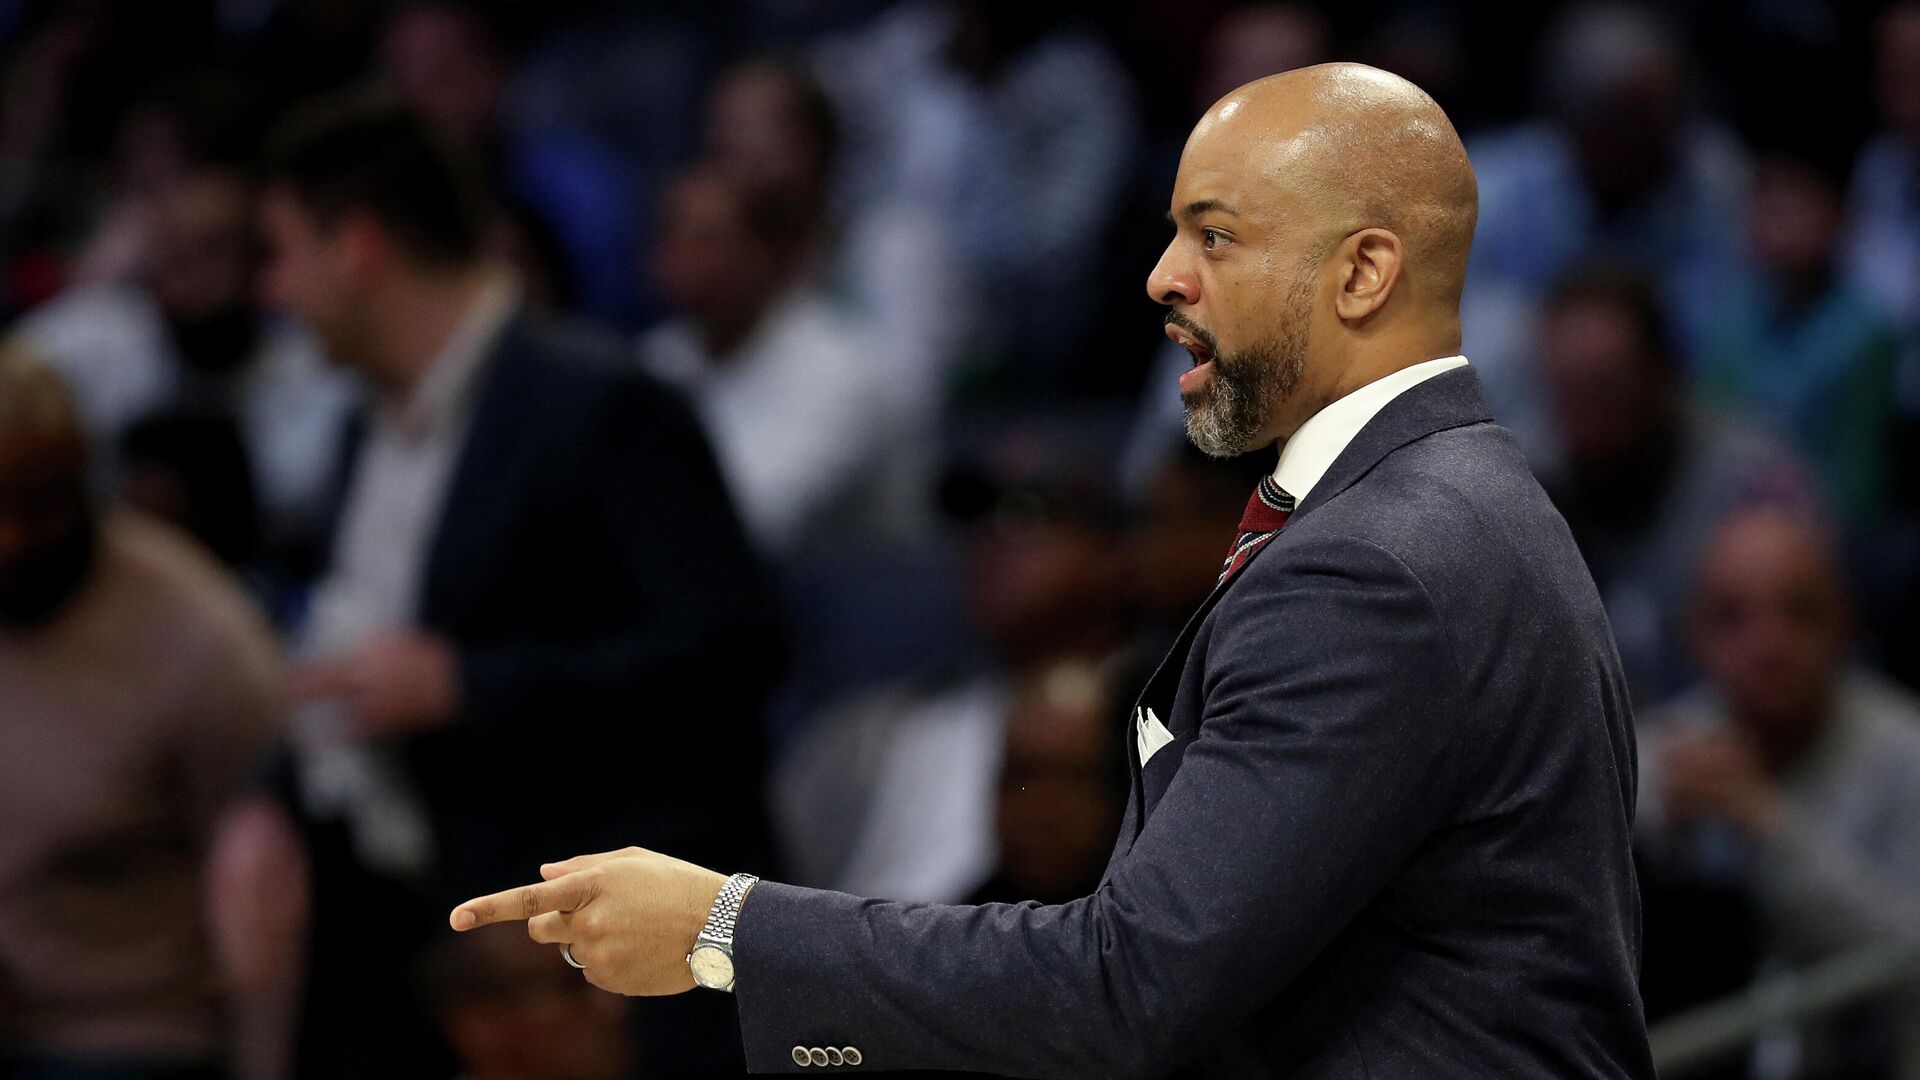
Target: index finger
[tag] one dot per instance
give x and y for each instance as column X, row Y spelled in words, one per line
column 516, row 905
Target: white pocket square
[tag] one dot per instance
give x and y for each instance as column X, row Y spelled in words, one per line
column 1150, row 733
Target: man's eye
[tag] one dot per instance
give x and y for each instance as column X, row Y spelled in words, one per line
column 1209, row 238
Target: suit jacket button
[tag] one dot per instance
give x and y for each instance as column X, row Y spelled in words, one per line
column 851, row 1054
column 818, row 1055
column 835, row 1057
column 801, row 1057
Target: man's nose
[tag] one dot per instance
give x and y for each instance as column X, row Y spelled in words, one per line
column 1171, row 282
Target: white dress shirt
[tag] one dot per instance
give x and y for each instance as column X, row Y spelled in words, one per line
column 380, row 555
column 399, row 486
column 802, row 415
column 1311, row 452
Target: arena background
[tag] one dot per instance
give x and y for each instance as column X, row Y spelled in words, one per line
column 894, row 253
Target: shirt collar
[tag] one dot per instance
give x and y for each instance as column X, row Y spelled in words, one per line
column 1311, row 452
column 444, row 389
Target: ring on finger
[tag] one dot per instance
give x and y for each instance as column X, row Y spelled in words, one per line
column 566, row 953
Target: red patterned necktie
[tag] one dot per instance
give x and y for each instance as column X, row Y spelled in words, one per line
column 1267, row 511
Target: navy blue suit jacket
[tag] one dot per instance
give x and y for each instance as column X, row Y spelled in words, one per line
column 1389, row 837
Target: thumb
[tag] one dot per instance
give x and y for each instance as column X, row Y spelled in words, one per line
column 549, row 871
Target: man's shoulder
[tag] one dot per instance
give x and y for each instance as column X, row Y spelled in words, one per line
column 1455, row 516
column 157, row 569
column 1465, row 487
column 578, row 364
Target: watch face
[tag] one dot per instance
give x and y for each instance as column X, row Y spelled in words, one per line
column 712, row 967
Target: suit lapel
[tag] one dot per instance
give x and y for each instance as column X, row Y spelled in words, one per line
column 483, row 485
column 1448, row 400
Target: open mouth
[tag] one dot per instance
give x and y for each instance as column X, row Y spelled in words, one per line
column 1191, row 338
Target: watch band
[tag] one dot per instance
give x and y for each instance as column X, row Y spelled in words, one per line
column 726, row 910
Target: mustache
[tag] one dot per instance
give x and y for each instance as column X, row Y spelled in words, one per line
column 1200, row 333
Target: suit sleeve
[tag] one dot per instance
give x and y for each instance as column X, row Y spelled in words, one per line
column 700, row 602
column 1329, row 748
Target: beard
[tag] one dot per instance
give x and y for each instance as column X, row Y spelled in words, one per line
column 1226, row 415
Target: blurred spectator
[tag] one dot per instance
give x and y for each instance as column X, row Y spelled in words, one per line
column 1643, row 474
column 773, row 127
column 890, row 792
column 609, row 99
column 1063, row 785
column 191, row 472
column 447, row 60
column 189, row 336
column 1184, row 525
column 511, row 1013
column 137, row 689
column 1791, row 772
column 1252, row 41
column 530, row 529
column 1804, row 350
column 189, row 122
column 1013, row 126
column 791, row 387
column 1884, row 248
column 1623, row 168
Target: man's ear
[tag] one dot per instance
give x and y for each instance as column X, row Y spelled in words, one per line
column 1370, row 264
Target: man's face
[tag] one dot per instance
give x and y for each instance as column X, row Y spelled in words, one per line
column 754, row 128
column 1769, row 623
column 204, row 251
column 1240, row 276
column 706, row 260
column 444, row 66
column 1603, row 389
column 309, row 275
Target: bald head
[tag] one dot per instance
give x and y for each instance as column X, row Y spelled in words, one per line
column 1345, row 147
column 1324, row 217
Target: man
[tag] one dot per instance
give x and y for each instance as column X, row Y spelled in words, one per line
column 889, row 791
column 530, row 530
column 188, row 336
column 1791, row 775
column 1062, row 785
column 1382, row 786
column 1643, row 474
column 137, row 689
column 792, row 389
column 1624, row 165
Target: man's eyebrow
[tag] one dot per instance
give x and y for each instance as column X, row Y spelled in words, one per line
column 1204, row 206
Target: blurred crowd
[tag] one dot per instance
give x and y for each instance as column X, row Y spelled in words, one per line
column 438, row 438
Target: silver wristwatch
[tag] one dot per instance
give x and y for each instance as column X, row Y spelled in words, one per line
column 712, row 957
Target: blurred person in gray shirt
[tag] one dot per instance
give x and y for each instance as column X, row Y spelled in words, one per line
column 1791, row 774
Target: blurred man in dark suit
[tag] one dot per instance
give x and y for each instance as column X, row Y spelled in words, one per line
column 1383, row 783
column 532, row 543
